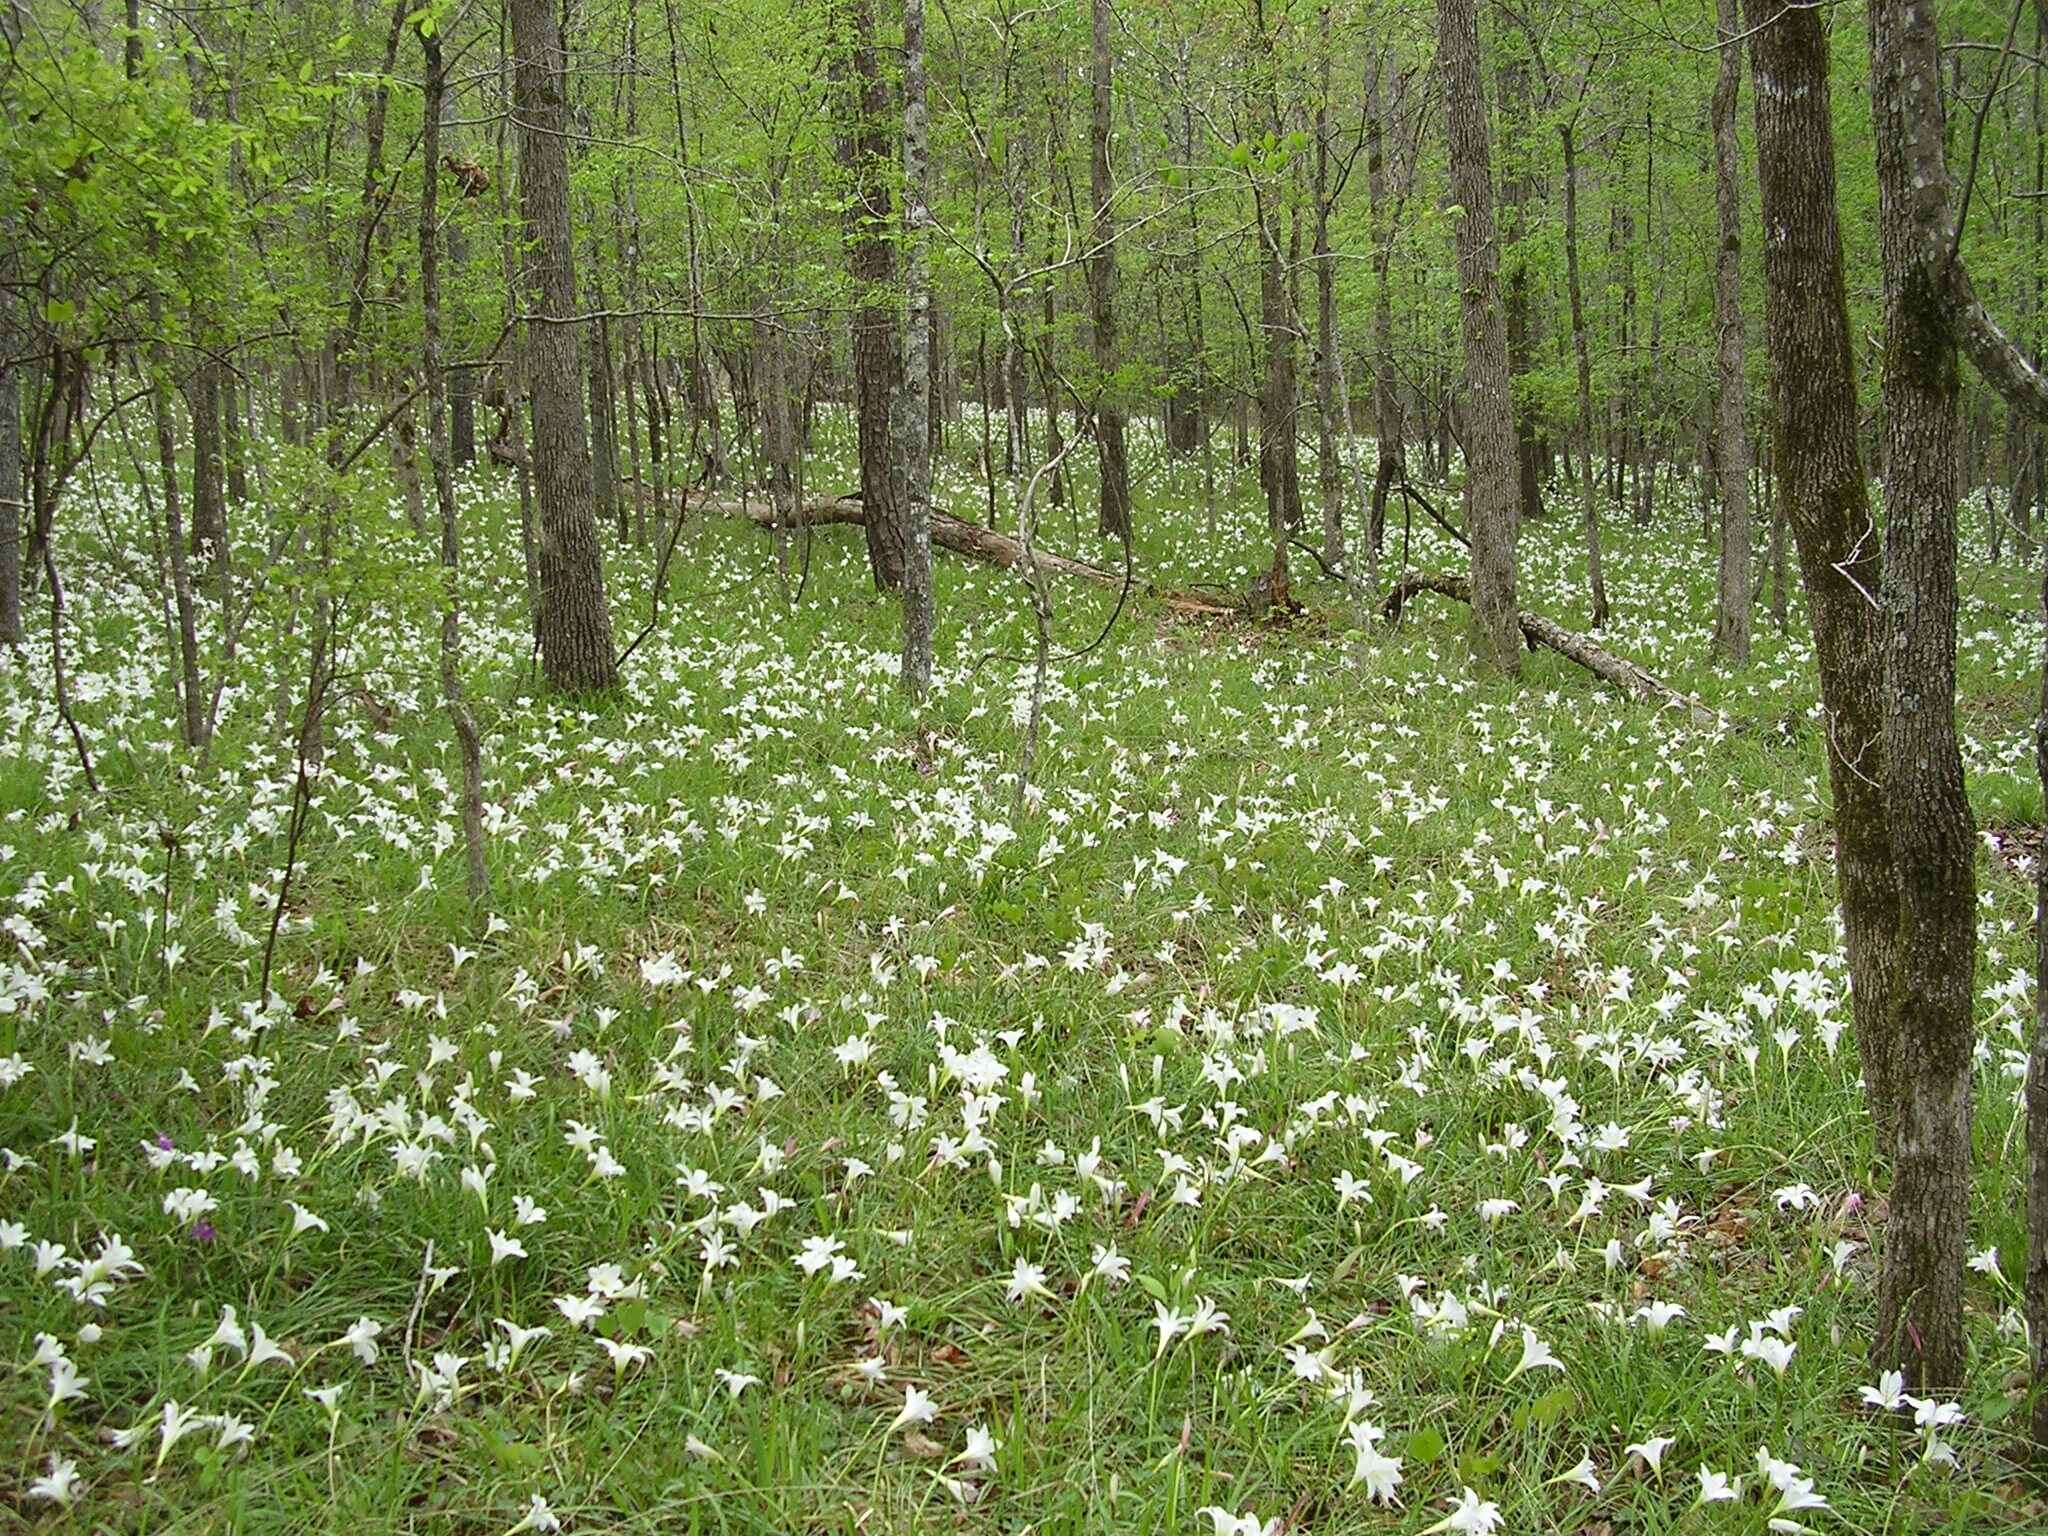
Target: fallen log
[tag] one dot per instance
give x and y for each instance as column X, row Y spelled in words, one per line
column 1628, row 676
column 977, row 543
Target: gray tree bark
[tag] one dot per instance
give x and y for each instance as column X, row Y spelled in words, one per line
column 1515, row 191
column 870, row 256
column 914, row 436
column 574, row 625
column 1826, row 501
column 1920, row 1286
column 1491, row 464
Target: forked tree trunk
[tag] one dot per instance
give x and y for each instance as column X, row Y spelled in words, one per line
column 574, row 624
column 1826, row 501
column 1491, row 466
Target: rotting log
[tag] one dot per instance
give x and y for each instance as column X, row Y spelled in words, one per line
column 978, row 543
column 1630, row 677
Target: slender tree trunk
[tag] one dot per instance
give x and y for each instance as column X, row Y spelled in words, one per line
column 234, row 400
column 511, row 375
column 2036, row 1093
column 1198, row 413
column 405, row 461
column 1826, row 502
column 1389, row 430
column 1048, row 295
column 462, row 382
column 1589, row 499
column 1490, row 460
column 2035, row 1097
column 1010, row 376
column 1731, row 445
column 631, row 336
column 1113, row 517
column 1514, row 203
column 191, row 705
column 1651, row 446
column 157, row 363
column 468, row 744
column 209, row 484
column 12, row 489
column 1329, row 471
column 574, row 624
column 914, row 439
column 604, row 448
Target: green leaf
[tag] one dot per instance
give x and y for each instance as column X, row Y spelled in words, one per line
column 1425, row 1445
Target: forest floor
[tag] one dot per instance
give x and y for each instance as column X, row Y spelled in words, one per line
column 1346, row 1095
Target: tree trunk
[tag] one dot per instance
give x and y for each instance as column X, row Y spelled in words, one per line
column 606, row 507
column 1651, row 446
column 209, row 485
column 914, row 439
column 1490, row 461
column 2036, row 1093
column 1113, row 519
column 1920, row 1287
column 1389, row 430
column 1731, row 445
column 1781, row 563
column 574, row 624
column 870, row 255
column 234, row 402
column 1826, row 502
column 1589, row 499
column 1514, row 202
column 462, row 382
column 1329, row 472
column 12, row 491
column 1055, row 450
column 468, row 744
column 405, row 462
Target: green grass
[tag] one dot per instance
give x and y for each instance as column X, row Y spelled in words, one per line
column 1317, row 883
